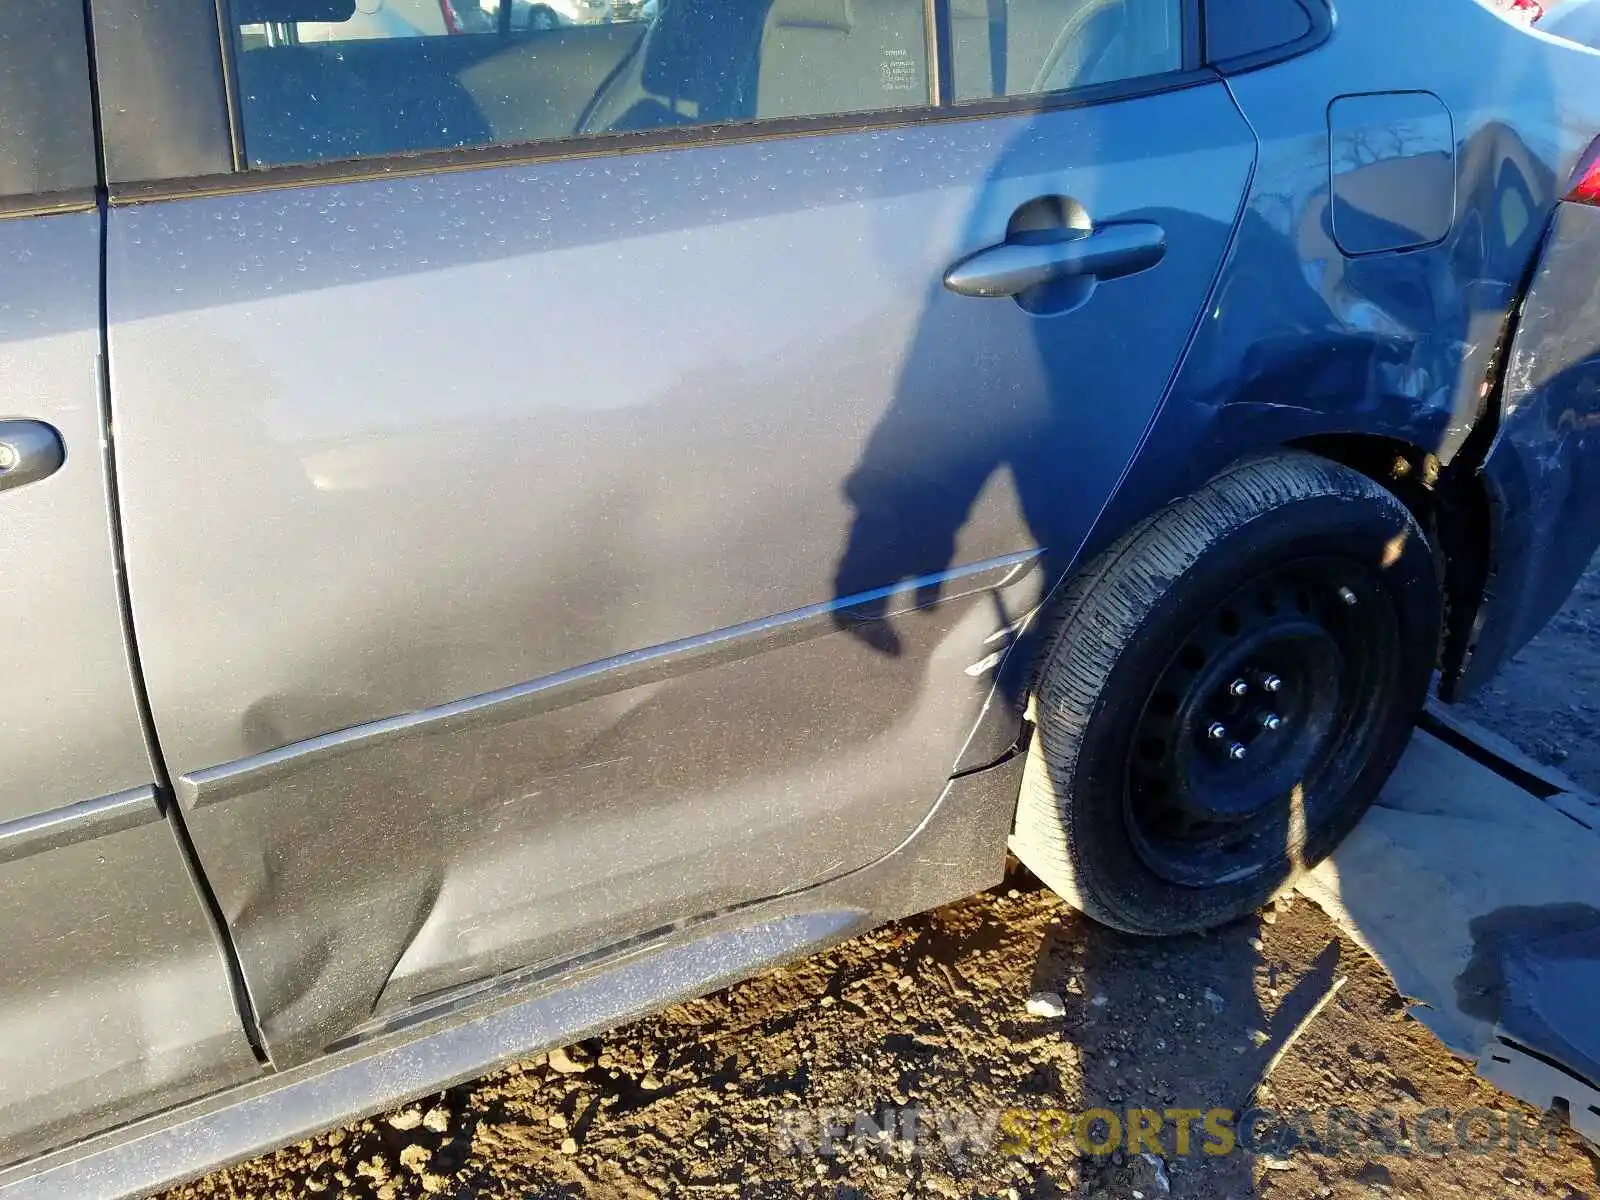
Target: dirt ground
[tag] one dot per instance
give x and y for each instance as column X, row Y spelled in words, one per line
column 730, row 1095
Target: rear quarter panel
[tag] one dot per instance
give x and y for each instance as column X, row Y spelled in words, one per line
column 1544, row 468
column 1305, row 340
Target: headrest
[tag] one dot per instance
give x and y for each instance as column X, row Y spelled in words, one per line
column 831, row 15
column 257, row 12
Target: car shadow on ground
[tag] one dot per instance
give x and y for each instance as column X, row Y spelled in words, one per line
column 1169, row 1032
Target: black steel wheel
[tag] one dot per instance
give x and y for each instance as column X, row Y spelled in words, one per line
column 1229, row 687
column 1254, row 716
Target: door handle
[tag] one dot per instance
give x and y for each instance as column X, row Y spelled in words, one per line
column 1014, row 266
column 29, row 451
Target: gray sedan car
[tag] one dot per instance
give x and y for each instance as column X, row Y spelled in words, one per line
column 507, row 527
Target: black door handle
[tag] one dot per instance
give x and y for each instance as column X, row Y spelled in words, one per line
column 1110, row 252
column 29, row 451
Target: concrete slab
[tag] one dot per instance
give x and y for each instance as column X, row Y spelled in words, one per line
column 1472, row 856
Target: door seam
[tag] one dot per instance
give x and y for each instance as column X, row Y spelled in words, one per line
column 238, row 985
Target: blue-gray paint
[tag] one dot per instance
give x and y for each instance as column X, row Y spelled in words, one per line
column 493, row 427
column 1301, row 340
column 1393, row 165
column 74, row 823
column 100, row 925
column 523, row 435
column 1544, row 468
column 957, row 850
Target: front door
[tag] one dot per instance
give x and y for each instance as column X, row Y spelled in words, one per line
column 613, row 518
column 115, row 997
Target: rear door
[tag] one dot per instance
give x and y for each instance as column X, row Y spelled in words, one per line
column 114, row 992
column 610, row 516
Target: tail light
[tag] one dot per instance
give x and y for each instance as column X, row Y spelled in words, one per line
column 1586, row 179
column 452, row 21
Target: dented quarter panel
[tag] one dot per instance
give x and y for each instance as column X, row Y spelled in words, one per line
column 1303, row 340
column 1544, row 468
column 437, row 743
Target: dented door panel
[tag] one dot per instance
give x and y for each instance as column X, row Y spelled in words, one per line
column 553, row 553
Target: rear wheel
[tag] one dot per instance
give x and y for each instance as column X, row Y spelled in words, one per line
column 1229, row 687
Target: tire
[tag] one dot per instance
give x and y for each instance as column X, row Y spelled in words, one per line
column 542, row 19
column 1303, row 582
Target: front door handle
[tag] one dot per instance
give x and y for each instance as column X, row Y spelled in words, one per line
column 1014, row 266
column 29, row 451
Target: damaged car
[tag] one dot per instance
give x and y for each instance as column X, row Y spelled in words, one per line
column 549, row 518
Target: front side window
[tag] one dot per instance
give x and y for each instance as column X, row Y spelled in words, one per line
column 331, row 79
column 46, row 120
column 1029, row 47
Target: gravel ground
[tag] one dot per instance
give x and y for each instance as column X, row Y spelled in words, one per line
column 715, row 1097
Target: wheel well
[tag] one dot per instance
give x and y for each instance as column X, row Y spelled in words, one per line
column 1451, row 504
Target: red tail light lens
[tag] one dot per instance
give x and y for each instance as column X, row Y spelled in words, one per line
column 1586, row 179
column 452, row 22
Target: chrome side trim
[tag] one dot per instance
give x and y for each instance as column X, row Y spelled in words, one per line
column 214, row 784
column 81, row 822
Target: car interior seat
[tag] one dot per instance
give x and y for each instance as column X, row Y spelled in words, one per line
column 708, row 61
column 839, row 56
column 342, row 99
column 694, row 66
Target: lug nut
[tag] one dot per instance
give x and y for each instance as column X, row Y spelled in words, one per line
column 1237, row 752
column 1271, row 721
column 1217, row 731
column 1238, row 687
column 1271, row 683
column 1347, row 596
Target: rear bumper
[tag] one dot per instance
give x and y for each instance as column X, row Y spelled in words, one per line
column 1543, row 469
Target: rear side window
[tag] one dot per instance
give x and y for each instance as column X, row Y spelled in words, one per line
column 1246, row 33
column 46, row 120
column 1027, row 47
column 330, row 79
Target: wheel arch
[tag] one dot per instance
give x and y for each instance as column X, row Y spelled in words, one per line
column 1140, row 592
column 1451, row 503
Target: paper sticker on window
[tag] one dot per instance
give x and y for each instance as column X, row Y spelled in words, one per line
column 900, row 72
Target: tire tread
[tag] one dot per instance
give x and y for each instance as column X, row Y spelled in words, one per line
column 1101, row 610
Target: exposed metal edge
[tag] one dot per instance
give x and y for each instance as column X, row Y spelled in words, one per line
column 1465, row 667
column 80, row 822
column 198, row 788
column 385, row 1073
column 1490, row 750
column 1542, row 1082
column 48, row 204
